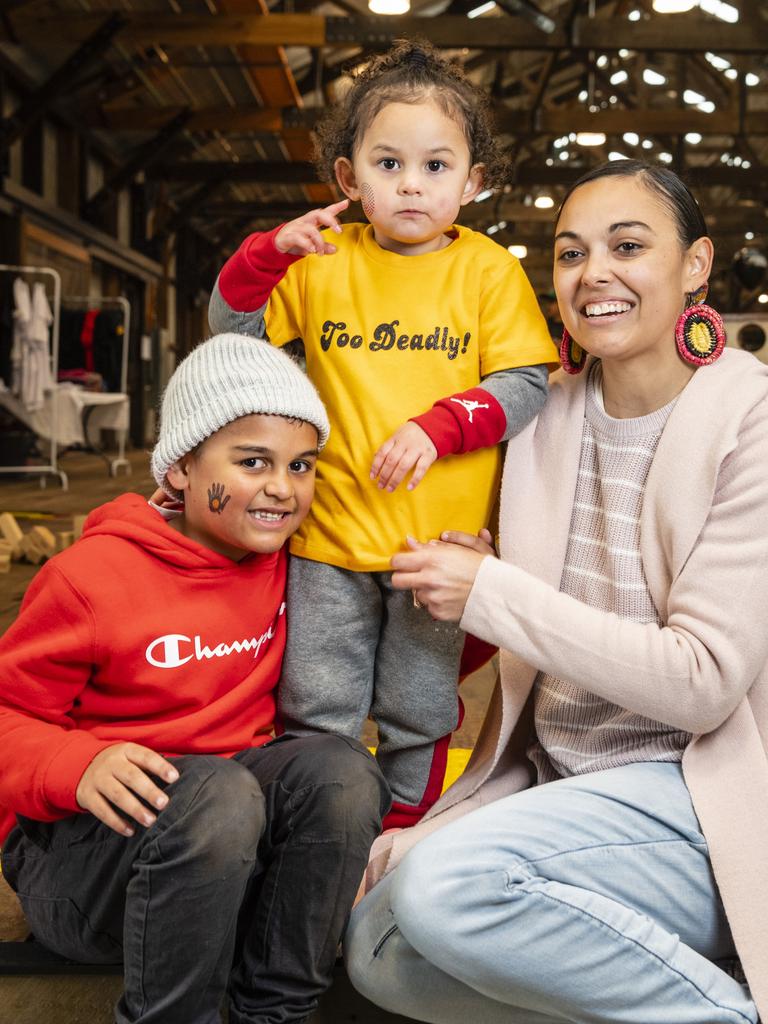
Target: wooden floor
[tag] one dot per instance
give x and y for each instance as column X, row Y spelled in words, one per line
column 89, row 999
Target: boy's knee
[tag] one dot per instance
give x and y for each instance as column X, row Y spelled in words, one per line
column 343, row 777
column 224, row 810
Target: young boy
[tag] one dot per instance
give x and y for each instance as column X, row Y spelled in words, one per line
column 157, row 821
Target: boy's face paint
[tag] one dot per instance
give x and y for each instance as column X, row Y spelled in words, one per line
column 411, row 170
column 264, row 468
column 216, row 498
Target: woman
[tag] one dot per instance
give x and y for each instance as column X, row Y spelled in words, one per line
column 614, row 860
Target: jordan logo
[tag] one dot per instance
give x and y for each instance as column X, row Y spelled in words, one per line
column 470, row 406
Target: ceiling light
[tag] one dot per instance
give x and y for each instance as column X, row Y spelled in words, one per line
column 389, row 6
column 482, row 196
column 672, row 6
column 544, row 202
column 583, row 96
column 707, row 107
column 693, row 97
column 651, row 77
column 618, row 77
column 634, row 16
column 762, row 298
column 521, row 251
column 492, row 229
column 723, row 11
column 617, row 156
column 647, row 144
column 666, row 158
column 623, row 54
column 745, row 164
column 731, row 73
column 717, row 62
column 751, row 79
column 631, row 138
column 602, row 61
column 590, row 139
column 482, row 9
column 564, row 154
column 749, row 235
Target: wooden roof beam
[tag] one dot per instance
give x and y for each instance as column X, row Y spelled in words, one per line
column 693, row 34
column 552, row 121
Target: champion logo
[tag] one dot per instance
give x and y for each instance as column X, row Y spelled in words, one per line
column 175, row 649
column 470, row 406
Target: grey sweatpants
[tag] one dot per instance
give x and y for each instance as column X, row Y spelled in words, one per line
column 357, row 647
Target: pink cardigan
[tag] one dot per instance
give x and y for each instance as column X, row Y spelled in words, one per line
column 704, row 543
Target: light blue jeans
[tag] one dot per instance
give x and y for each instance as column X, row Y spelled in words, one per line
column 590, row 899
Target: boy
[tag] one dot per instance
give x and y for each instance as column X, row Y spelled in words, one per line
column 157, row 821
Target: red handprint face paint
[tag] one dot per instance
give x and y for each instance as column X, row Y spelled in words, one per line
column 367, row 199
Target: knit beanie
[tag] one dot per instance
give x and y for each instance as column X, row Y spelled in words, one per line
column 224, row 378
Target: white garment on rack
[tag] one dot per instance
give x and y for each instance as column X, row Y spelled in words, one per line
column 105, row 411
column 22, row 314
column 31, row 354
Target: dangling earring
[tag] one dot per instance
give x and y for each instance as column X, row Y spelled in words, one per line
column 572, row 355
column 699, row 331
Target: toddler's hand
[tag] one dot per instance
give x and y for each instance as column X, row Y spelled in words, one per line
column 302, row 236
column 117, row 776
column 408, row 447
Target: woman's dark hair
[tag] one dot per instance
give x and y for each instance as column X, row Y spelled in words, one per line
column 412, row 71
column 670, row 189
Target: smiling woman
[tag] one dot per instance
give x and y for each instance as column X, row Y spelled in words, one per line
column 602, row 859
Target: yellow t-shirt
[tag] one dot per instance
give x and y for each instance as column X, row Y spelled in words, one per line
column 386, row 336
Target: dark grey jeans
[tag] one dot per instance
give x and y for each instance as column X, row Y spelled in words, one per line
column 244, row 882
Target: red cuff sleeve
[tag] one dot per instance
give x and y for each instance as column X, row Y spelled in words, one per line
column 249, row 275
column 464, row 422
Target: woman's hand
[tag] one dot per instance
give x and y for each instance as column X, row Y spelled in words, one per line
column 116, row 778
column 302, row 236
column 409, row 447
column 441, row 574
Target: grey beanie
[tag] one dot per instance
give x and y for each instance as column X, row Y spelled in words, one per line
column 224, row 378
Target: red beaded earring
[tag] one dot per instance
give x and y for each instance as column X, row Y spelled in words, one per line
column 572, row 355
column 699, row 332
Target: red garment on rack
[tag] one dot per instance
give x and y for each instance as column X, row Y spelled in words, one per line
column 86, row 337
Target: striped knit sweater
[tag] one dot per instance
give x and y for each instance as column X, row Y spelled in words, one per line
column 577, row 731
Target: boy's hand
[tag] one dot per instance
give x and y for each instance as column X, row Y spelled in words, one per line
column 408, row 447
column 118, row 776
column 302, row 236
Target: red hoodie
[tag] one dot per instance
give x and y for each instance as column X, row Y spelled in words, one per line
column 135, row 633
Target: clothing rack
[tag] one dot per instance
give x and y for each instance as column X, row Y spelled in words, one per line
column 51, row 466
column 122, row 303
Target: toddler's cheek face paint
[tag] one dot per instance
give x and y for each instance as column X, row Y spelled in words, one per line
column 366, row 198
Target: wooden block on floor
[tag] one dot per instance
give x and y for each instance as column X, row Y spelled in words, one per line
column 38, row 544
column 77, row 525
column 43, row 539
column 64, row 538
column 11, row 532
column 5, row 562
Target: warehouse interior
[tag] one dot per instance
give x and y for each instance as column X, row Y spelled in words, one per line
column 142, row 140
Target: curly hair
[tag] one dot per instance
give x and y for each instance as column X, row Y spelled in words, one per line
column 411, row 72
